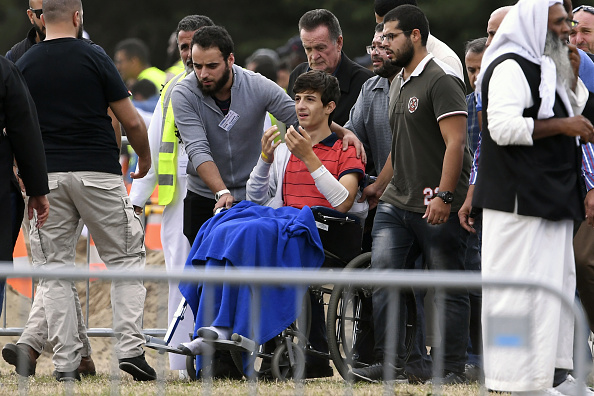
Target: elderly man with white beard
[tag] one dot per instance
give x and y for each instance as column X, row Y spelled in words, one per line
column 529, row 187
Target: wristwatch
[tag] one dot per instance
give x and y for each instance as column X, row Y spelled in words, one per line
column 219, row 194
column 446, row 196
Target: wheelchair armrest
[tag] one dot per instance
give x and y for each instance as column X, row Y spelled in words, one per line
column 333, row 214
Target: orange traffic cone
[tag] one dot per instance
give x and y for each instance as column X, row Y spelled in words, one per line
column 21, row 260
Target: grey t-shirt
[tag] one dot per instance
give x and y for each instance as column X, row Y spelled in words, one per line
column 432, row 93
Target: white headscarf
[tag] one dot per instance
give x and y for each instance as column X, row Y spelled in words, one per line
column 523, row 31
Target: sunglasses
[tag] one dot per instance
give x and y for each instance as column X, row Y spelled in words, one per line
column 37, row 12
column 586, row 8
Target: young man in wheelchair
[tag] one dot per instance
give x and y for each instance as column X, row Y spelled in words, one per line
column 309, row 169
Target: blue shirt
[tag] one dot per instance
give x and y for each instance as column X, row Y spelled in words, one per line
column 472, row 122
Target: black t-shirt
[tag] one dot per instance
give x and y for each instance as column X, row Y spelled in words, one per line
column 72, row 83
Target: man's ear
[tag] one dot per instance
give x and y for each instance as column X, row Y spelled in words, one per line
column 339, row 43
column 415, row 35
column 42, row 20
column 75, row 19
column 231, row 60
column 330, row 107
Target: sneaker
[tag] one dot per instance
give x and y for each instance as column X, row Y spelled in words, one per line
column 573, row 387
column 138, row 368
column 540, row 392
column 375, row 374
column 450, row 378
column 22, row 357
column 68, row 376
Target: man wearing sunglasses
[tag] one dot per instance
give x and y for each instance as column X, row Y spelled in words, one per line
column 35, row 35
column 582, row 35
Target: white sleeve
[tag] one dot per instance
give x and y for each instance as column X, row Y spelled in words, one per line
column 329, row 186
column 258, row 186
column 142, row 188
column 509, row 95
column 579, row 98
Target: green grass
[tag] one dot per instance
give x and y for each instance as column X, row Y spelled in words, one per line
column 101, row 385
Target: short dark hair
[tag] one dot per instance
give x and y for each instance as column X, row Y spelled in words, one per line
column 323, row 83
column 192, row 22
column 409, row 17
column 144, row 87
column 60, row 10
column 134, row 48
column 379, row 27
column 476, row 46
column 214, row 36
column 381, row 7
column 311, row 20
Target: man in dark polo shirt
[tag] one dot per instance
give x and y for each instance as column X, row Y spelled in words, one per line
column 417, row 213
column 321, row 36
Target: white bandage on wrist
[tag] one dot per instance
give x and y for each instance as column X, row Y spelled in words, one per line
column 331, row 188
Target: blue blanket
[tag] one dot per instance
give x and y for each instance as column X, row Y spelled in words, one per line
column 249, row 235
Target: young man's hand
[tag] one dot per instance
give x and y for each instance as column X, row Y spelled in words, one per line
column 299, row 143
column 268, row 143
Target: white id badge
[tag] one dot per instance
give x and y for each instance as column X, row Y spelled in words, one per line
column 229, row 120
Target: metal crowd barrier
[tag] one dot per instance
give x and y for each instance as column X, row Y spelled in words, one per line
column 397, row 280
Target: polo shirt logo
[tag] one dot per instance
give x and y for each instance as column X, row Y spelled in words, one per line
column 413, row 104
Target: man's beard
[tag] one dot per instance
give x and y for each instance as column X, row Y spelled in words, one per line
column 387, row 69
column 79, row 33
column 218, row 85
column 405, row 56
column 40, row 31
column 557, row 50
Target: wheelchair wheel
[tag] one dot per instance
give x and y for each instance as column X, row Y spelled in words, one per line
column 350, row 320
column 191, row 367
column 281, row 365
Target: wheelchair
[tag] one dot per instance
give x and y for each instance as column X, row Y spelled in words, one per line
column 347, row 311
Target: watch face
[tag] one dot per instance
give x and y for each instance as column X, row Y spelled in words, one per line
column 446, row 196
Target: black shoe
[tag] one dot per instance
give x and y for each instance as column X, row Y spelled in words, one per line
column 474, row 373
column 450, row 378
column 67, row 376
column 375, row 374
column 318, row 371
column 138, row 368
column 22, row 357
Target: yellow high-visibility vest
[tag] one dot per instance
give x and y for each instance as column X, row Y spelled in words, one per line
column 154, row 75
column 167, row 168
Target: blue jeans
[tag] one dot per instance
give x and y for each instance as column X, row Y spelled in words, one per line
column 399, row 237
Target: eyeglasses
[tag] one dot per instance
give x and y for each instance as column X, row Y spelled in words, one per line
column 392, row 36
column 371, row 48
column 37, row 12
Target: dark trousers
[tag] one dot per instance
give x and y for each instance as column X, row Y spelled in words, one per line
column 17, row 206
column 197, row 210
column 399, row 237
column 472, row 262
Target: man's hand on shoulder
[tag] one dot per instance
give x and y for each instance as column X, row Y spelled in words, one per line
column 349, row 139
